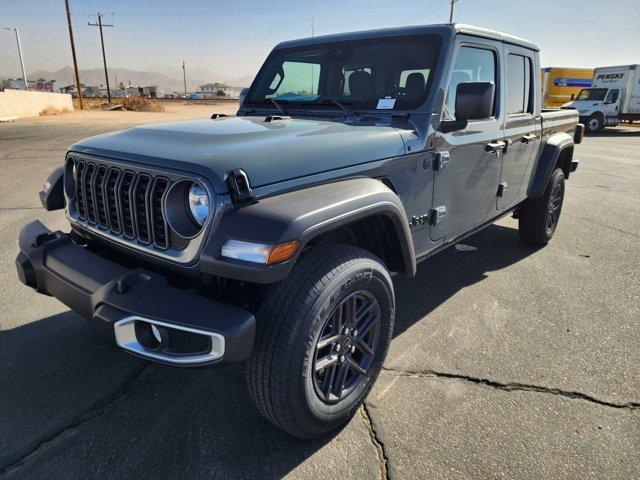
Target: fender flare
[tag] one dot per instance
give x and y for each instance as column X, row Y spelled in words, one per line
column 303, row 215
column 547, row 160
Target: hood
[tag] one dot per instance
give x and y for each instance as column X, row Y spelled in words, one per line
column 583, row 104
column 269, row 152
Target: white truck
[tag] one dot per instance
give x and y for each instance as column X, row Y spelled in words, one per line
column 614, row 96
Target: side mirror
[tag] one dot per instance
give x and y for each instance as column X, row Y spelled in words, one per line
column 474, row 101
column 241, row 97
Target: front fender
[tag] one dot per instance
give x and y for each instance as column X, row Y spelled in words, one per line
column 547, row 160
column 303, row 215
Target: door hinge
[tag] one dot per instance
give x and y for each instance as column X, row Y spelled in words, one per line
column 441, row 160
column 437, row 214
column 502, row 187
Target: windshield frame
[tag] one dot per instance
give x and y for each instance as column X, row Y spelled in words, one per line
column 325, row 105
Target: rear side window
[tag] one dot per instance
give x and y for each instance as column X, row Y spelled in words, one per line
column 471, row 65
column 518, row 87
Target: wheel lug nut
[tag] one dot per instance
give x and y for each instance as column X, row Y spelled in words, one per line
column 342, row 358
column 345, row 331
column 337, row 346
column 353, row 348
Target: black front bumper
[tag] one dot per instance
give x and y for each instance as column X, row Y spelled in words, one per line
column 113, row 297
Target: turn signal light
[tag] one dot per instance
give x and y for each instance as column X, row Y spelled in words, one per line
column 282, row 252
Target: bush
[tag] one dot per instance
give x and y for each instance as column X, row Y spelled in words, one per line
column 48, row 111
column 141, row 104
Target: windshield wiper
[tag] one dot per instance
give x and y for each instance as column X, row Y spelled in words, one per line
column 351, row 112
column 279, row 106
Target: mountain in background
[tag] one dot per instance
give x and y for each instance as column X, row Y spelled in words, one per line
column 160, row 76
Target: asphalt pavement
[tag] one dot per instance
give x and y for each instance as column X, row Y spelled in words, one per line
column 507, row 361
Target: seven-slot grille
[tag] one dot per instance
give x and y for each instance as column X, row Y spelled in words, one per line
column 122, row 202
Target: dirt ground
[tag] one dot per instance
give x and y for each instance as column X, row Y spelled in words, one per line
column 173, row 111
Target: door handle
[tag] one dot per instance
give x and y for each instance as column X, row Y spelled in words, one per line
column 529, row 137
column 493, row 147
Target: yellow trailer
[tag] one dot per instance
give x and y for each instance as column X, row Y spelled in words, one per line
column 561, row 85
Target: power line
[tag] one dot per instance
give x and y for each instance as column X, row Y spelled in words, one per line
column 104, row 56
column 426, row 10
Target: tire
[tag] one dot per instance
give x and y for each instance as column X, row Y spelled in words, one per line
column 595, row 123
column 539, row 217
column 294, row 322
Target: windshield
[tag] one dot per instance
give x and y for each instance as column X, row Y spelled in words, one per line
column 595, row 94
column 374, row 74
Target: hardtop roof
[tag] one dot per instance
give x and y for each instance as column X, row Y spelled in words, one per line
column 412, row 30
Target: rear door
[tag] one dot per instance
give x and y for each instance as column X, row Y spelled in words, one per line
column 465, row 186
column 520, row 122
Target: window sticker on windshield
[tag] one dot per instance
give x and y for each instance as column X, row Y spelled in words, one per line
column 386, row 103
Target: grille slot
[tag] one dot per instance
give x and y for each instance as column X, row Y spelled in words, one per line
column 141, row 207
column 88, row 178
column 124, row 203
column 112, row 200
column 125, row 193
column 79, row 200
column 99, row 196
column 160, row 227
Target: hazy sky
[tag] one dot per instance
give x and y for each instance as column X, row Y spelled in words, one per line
column 233, row 37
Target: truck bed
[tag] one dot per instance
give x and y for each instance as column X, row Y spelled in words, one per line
column 556, row 120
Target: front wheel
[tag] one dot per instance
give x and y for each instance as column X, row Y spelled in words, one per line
column 322, row 335
column 595, row 123
column 539, row 217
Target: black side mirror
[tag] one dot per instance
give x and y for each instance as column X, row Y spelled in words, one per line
column 474, row 101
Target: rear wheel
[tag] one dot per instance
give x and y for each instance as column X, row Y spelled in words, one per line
column 539, row 217
column 322, row 336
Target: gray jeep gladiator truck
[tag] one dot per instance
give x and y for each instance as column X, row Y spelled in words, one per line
column 271, row 237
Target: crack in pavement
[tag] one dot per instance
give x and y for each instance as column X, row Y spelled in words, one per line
column 603, row 225
column 514, row 386
column 43, row 445
column 383, row 460
column 11, row 209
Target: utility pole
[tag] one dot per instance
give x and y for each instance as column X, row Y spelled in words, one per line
column 184, row 79
column 24, row 75
column 451, row 11
column 104, row 57
column 73, row 54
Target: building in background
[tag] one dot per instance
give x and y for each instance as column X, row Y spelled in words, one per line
column 561, row 85
column 211, row 90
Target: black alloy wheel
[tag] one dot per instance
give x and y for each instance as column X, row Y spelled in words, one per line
column 346, row 347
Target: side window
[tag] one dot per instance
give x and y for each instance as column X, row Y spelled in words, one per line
column 518, row 86
column 612, row 96
column 471, row 65
column 295, row 79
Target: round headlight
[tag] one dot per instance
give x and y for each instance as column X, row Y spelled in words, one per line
column 198, row 203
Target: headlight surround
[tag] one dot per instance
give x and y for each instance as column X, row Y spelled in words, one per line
column 198, row 200
column 188, row 206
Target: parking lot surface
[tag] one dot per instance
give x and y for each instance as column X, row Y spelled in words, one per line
column 507, row 361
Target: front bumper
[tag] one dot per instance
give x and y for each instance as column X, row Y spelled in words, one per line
column 123, row 304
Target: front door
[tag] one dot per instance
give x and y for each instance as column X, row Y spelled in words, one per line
column 612, row 103
column 521, row 134
column 465, row 186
